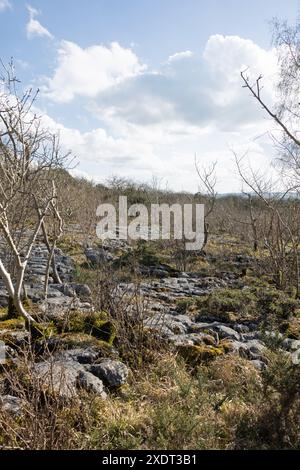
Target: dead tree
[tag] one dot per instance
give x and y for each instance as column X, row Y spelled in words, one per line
column 208, row 180
column 281, row 234
column 29, row 155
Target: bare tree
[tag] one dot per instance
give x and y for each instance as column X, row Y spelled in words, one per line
column 280, row 231
column 56, row 233
column 207, row 191
column 29, row 155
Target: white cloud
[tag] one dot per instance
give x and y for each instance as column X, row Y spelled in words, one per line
column 167, row 150
column 87, row 72
column 180, row 55
column 4, row 5
column 152, row 122
column 196, row 89
column 34, row 27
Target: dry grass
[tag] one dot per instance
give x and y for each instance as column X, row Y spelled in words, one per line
column 226, row 404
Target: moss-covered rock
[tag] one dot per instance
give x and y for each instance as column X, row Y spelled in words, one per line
column 95, row 324
column 101, row 329
column 12, row 324
column 194, row 355
column 81, row 340
column 42, row 330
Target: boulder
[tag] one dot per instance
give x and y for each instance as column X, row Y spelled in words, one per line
column 97, row 256
column 256, row 346
column 64, row 378
column 90, row 383
column 227, row 332
column 82, row 355
column 295, row 356
column 291, row 344
column 223, row 331
column 259, row 365
column 113, row 373
column 82, row 290
column 17, row 338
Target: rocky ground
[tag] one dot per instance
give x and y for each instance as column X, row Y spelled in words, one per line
column 172, row 310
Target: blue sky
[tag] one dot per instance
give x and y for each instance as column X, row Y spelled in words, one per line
column 137, row 87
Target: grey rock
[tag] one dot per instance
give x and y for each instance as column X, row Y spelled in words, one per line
column 96, row 256
column 90, row 383
column 259, row 365
column 113, row 373
column 295, row 357
column 57, row 306
column 82, row 290
column 59, row 377
column 224, row 331
column 11, row 404
column 291, row 344
column 15, row 337
column 255, row 346
column 81, row 355
column 2, row 352
column 169, row 323
column 65, row 377
column 227, row 332
column 273, row 335
column 251, row 335
column 190, row 339
column 240, row 348
column 241, row 328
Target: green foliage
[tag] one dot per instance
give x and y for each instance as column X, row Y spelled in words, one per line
column 42, row 330
column 94, row 323
column 76, row 340
column 257, row 302
column 275, row 424
column 226, row 303
column 101, row 329
column 272, row 302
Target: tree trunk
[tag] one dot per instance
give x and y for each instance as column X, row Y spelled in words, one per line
column 14, row 293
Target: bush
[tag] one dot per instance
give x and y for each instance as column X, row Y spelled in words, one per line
column 227, row 304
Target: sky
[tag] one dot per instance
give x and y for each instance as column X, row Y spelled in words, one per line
column 138, row 88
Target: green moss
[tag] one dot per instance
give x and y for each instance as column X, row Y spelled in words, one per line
column 194, row 355
column 95, row 324
column 143, row 253
column 76, row 323
column 42, row 330
column 82, row 340
column 257, row 302
column 3, row 313
column 103, row 330
column 12, row 324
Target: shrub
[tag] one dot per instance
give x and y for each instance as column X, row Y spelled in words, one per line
column 228, row 303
